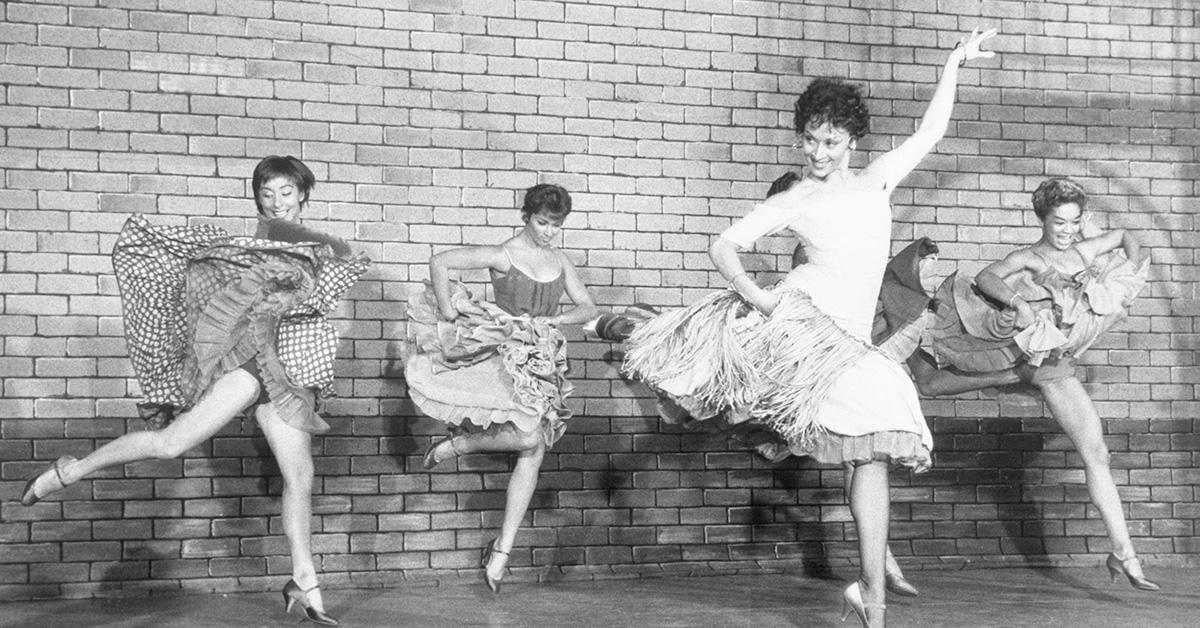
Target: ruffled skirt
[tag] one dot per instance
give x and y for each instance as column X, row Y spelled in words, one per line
column 199, row 303
column 828, row 394
column 973, row 334
column 486, row 368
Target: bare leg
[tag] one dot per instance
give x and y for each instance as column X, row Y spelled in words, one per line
column 869, row 503
column 293, row 454
column 892, row 568
column 934, row 382
column 530, row 449
column 228, row 396
column 1075, row 412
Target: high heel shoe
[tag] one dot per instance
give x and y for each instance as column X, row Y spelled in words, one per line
column 488, row 550
column 869, row 614
column 430, row 460
column 50, row 480
column 1116, row 567
column 898, row 584
column 292, row 593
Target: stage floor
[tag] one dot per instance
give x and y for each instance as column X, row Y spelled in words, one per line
column 1007, row 598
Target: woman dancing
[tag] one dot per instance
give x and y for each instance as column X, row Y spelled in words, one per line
column 798, row 358
column 496, row 372
column 1026, row 318
column 217, row 325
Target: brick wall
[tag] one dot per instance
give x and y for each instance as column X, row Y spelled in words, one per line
column 424, row 120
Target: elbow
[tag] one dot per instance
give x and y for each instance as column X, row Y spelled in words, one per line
column 719, row 248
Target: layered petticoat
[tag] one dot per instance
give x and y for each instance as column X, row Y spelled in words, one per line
column 486, row 367
column 828, row 394
column 973, row 334
column 199, row 303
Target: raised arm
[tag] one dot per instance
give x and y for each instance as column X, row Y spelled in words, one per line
column 896, row 164
column 585, row 309
column 467, row 258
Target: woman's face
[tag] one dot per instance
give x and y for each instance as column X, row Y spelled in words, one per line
column 280, row 197
column 1060, row 228
column 826, row 149
column 543, row 228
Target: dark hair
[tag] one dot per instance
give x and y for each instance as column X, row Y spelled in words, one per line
column 834, row 101
column 287, row 166
column 1055, row 192
column 546, row 197
column 783, row 183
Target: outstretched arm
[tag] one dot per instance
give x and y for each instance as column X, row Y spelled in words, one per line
column 467, row 258
column 896, row 164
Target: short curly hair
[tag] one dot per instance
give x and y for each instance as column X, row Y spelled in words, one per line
column 834, row 101
column 1055, row 192
column 546, row 197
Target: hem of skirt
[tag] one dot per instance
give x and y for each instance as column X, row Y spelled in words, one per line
column 465, row 417
column 903, row 449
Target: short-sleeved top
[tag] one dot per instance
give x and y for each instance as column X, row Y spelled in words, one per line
column 847, row 232
column 519, row 294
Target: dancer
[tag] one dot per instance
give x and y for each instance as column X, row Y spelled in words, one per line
column 496, row 372
column 798, row 358
column 1026, row 318
column 217, row 325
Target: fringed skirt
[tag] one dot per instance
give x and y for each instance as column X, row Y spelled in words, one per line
column 828, row 394
column 486, row 369
column 199, row 303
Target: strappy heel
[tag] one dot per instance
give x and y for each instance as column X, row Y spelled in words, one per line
column 1116, row 567
column 51, row 480
column 868, row 614
column 292, row 593
column 488, row 550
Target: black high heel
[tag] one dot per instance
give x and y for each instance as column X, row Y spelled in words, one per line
column 292, row 593
column 54, row 478
column 1116, row 567
column 488, row 550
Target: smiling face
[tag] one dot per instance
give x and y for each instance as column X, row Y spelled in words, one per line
column 1060, row 227
column 281, row 197
column 826, row 149
column 543, row 228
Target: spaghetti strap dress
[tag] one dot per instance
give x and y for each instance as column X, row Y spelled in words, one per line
column 973, row 333
column 495, row 364
column 198, row 303
column 808, row 371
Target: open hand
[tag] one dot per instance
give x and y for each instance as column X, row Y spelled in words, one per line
column 970, row 45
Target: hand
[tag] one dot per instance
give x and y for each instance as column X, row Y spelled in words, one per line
column 1025, row 315
column 763, row 301
column 970, row 45
column 448, row 313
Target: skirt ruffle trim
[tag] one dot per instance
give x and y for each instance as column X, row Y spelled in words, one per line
column 898, row 448
column 466, row 417
column 530, row 386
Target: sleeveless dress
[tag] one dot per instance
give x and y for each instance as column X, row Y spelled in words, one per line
column 972, row 333
column 499, row 367
column 198, row 303
column 808, row 371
